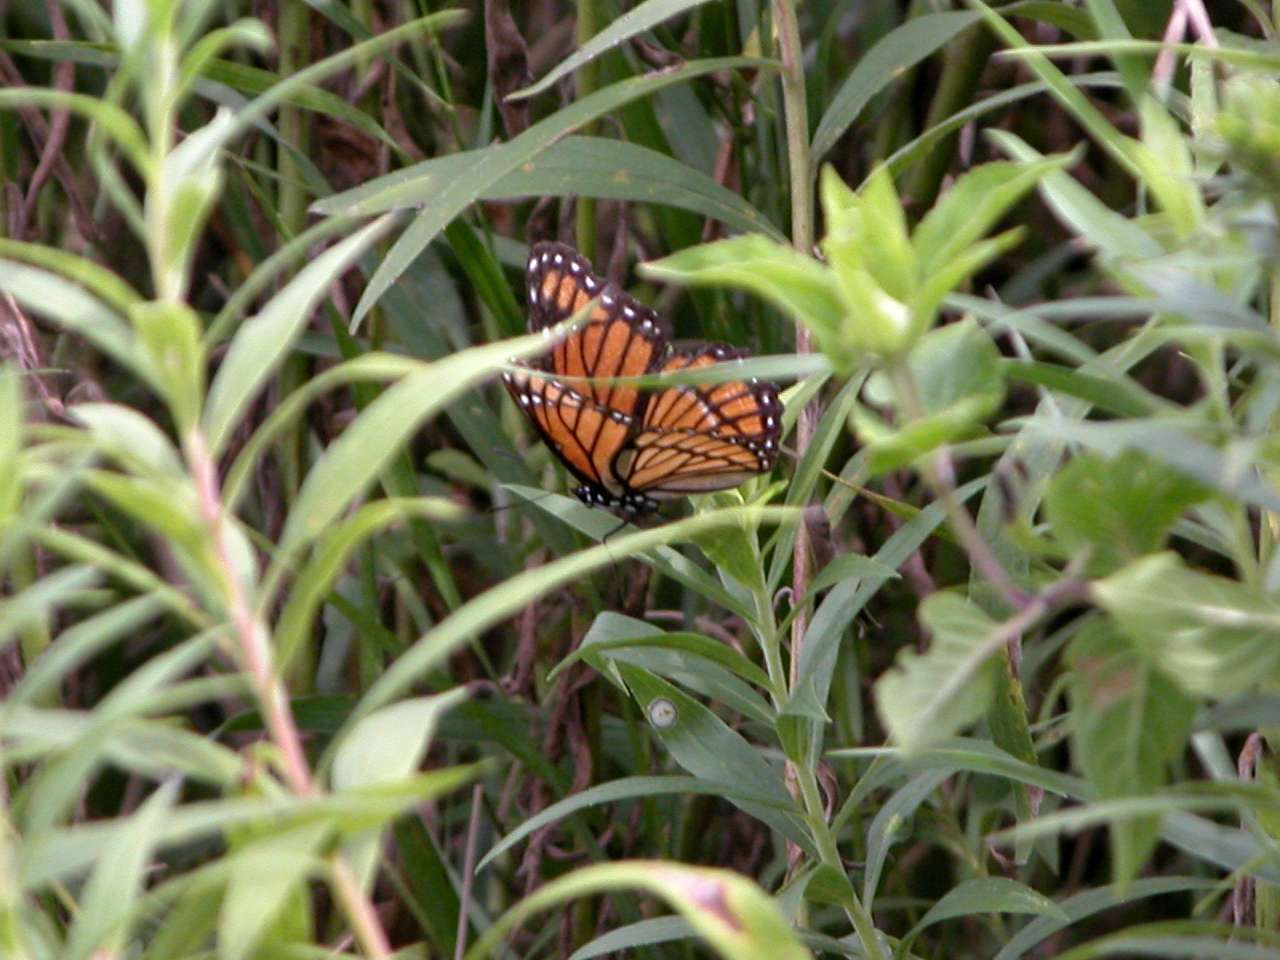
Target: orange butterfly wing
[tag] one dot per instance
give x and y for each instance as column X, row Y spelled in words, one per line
column 630, row 446
column 696, row 438
column 586, row 424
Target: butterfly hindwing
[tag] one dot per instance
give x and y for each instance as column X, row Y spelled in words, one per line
column 699, row 437
column 628, row 445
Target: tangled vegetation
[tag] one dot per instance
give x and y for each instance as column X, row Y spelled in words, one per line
column 306, row 651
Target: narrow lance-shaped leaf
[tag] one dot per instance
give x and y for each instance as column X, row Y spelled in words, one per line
column 259, row 346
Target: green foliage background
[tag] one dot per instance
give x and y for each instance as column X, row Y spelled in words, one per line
column 304, row 651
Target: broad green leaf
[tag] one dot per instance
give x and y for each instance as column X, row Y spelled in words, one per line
column 707, row 748
column 1129, row 722
column 930, row 696
column 384, row 748
column 1212, row 636
column 795, row 283
column 613, row 631
column 388, row 745
column 261, row 344
column 1120, row 508
column 637, row 20
column 460, row 191
column 1164, row 160
column 959, row 373
column 868, row 231
column 899, row 50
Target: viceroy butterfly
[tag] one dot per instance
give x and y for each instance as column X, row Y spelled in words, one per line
column 632, row 447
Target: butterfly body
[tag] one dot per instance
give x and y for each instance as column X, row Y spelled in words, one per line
column 631, row 447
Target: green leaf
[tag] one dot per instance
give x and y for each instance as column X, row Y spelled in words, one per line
column 1085, row 904
column 1212, row 636
column 868, row 231
column 894, row 53
column 170, row 334
column 314, row 581
column 459, row 191
column 891, row 825
column 75, row 310
column 706, row 666
column 637, row 20
column 37, row 603
column 959, row 373
column 97, row 279
column 707, row 748
column 377, row 434
column 974, row 204
column 795, row 283
column 989, row 895
column 930, row 696
column 827, row 629
column 515, row 593
column 109, row 896
column 1114, row 393
column 627, row 788
column 389, row 744
column 727, row 910
column 1088, row 216
column 263, row 876
column 1122, row 508
column 1165, row 163
column 385, row 747
column 261, row 344
column 129, row 437
column 1129, row 722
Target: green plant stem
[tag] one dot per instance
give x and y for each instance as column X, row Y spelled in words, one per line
column 863, row 923
column 801, row 182
column 587, row 79
column 253, row 651
column 796, row 110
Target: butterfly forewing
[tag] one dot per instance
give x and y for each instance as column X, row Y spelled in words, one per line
column 632, row 445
